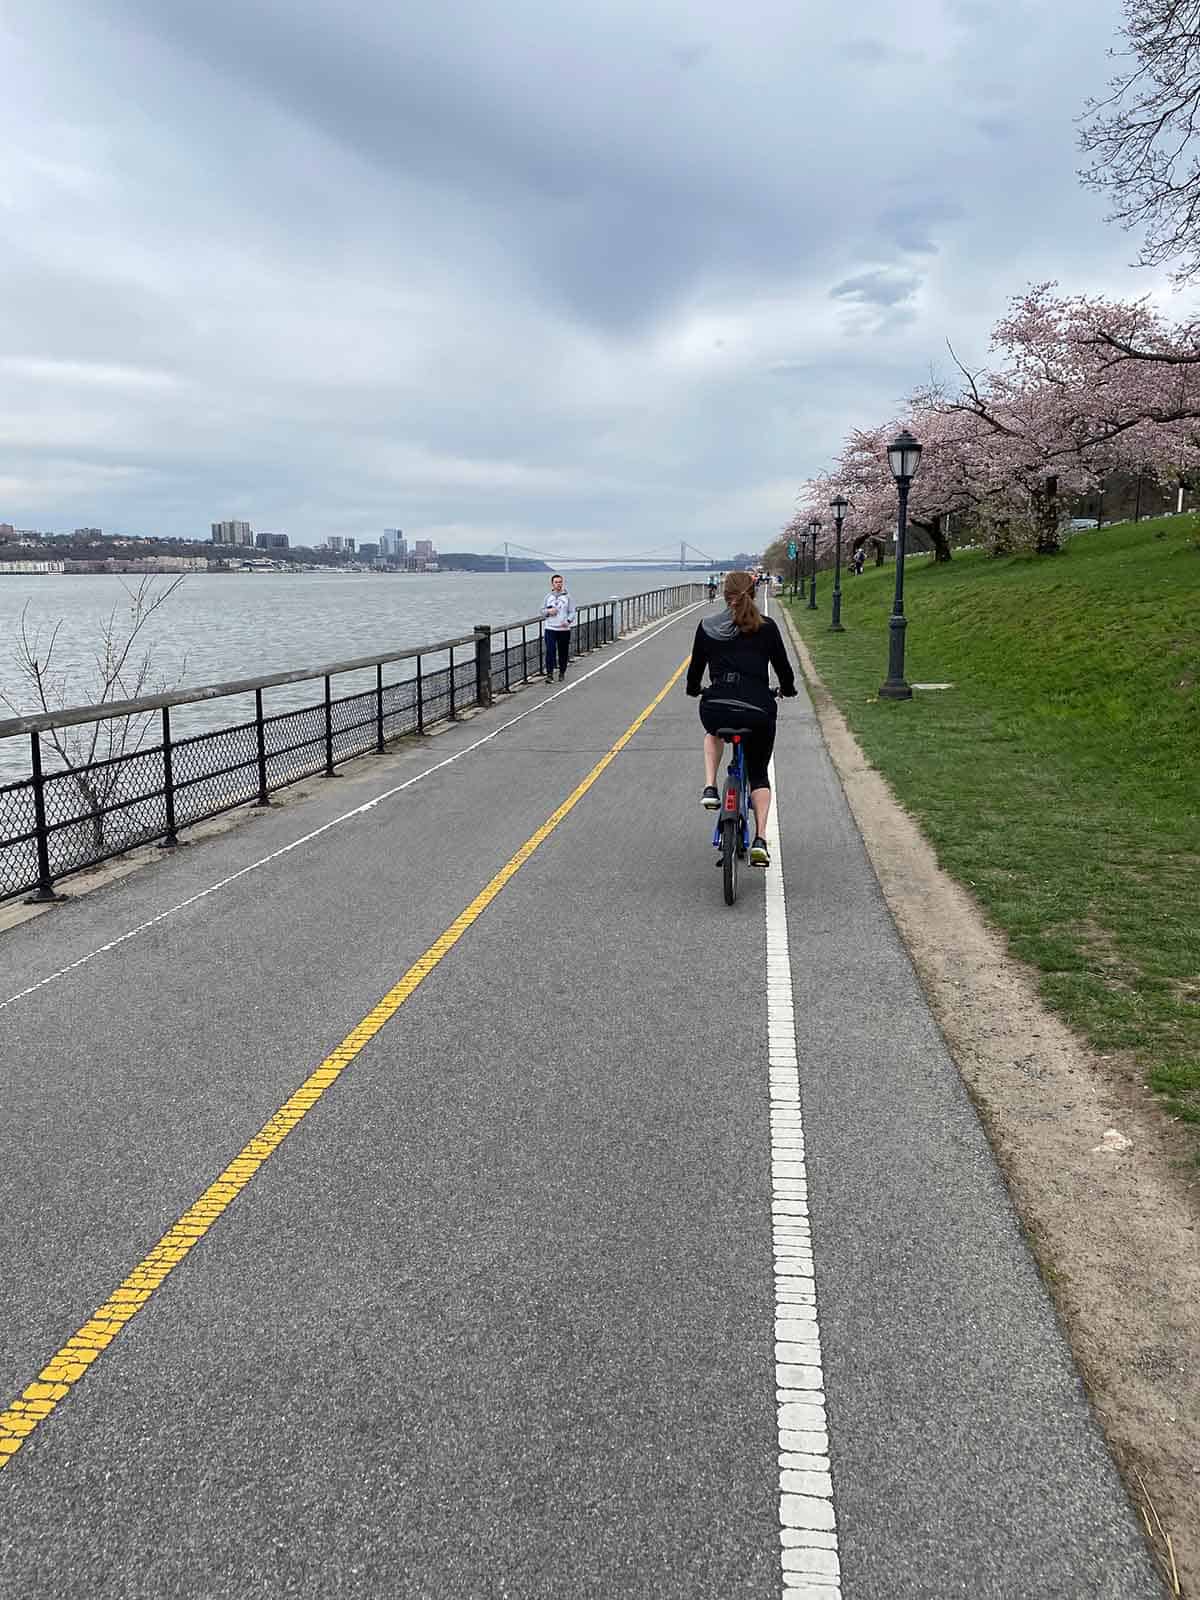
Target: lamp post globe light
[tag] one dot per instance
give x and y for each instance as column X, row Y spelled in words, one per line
column 838, row 507
column 904, row 457
column 814, row 529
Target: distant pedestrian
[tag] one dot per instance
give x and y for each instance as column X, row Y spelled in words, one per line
column 712, row 588
column 558, row 609
column 858, row 561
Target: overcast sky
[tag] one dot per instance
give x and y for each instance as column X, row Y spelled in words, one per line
column 592, row 277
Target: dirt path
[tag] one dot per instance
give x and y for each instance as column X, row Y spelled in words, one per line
column 1112, row 1211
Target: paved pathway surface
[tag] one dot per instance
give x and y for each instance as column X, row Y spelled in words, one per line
column 499, row 1316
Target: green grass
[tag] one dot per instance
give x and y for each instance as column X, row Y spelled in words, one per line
column 1059, row 779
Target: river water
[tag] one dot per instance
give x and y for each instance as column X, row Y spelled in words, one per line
column 222, row 626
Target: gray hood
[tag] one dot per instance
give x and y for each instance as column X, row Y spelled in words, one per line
column 720, row 626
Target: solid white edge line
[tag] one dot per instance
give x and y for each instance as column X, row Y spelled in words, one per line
column 346, row 816
column 807, row 1521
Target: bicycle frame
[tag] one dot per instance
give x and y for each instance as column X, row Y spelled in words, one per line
column 735, row 800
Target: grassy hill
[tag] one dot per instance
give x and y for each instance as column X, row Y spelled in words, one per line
column 1059, row 778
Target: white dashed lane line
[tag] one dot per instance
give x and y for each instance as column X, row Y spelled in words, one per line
column 808, row 1525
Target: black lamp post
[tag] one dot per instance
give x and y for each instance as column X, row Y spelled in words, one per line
column 814, row 529
column 904, row 457
column 838, row 507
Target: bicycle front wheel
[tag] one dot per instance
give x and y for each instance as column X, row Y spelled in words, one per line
column 729, row 858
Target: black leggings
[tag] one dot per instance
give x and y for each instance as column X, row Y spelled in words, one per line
column 758, row 744
column 558, row 642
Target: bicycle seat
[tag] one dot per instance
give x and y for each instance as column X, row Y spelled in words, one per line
column 728, row 733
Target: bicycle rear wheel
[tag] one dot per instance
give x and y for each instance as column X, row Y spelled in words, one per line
column 729, row 858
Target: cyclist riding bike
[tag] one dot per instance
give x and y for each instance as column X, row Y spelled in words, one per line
column 738, row 646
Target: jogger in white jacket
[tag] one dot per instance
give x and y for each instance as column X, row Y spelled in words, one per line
column 558, row 609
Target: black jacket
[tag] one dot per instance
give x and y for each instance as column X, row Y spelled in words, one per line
column 738, row 662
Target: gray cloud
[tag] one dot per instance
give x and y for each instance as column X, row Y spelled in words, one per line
column 912, row 227
column 602, row 272
column 876, row 53
column 869, row 52
column 887, row 286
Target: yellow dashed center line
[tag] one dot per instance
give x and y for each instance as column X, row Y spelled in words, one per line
column 65, row 1368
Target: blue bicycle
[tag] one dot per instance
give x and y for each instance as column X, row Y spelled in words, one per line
column 732, row 835
column 734, row 831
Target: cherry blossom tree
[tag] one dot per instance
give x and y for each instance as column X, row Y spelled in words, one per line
column 1063, row 406
column 1076, row 388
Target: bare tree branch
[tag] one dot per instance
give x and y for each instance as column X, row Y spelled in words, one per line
column 1142, row 136
column 115, row 679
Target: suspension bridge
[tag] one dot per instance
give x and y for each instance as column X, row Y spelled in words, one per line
column 662, row 556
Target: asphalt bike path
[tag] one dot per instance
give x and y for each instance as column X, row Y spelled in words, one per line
column 498, row 1317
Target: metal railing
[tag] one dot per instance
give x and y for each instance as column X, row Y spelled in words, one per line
column 67, row 817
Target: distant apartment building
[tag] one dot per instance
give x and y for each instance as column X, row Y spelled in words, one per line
column 139, row 564
column 88, row 534
column 270, row 541
column 6, row 530
column 237, row 533
column 423, row 551
column 367, row 552
column 393, row 545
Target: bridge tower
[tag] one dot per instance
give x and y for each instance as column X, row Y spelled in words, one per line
column 683, row 555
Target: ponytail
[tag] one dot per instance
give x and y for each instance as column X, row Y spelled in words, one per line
column 739, row 597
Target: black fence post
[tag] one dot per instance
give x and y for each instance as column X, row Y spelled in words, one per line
column 420, row 699
column 483, row 664
column 524, row 653
column 379, row 708
column 260, row 736
column 453, row 715
column 328, row 727
column 45, row 883
column 170, row 838
column 506, row 686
